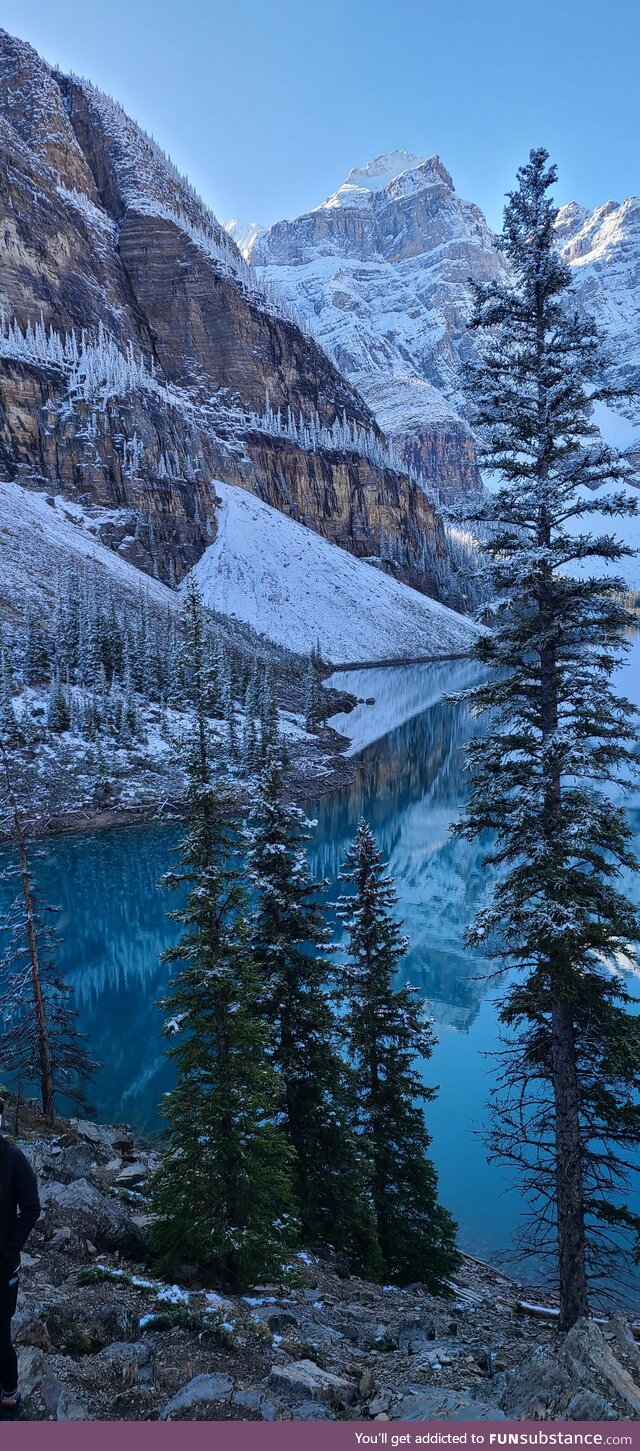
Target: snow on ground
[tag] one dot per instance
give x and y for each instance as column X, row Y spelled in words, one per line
column 37, row 538
column 299, row 590
column 389, row 697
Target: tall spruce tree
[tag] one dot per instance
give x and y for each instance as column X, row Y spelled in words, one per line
column 388, row 1032
column 288, row 934
column 223, row 1191
column 559, row 741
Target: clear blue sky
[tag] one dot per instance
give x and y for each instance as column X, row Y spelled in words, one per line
column 267, row 103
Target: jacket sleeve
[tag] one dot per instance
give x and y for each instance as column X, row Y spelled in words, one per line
column 25, row 1186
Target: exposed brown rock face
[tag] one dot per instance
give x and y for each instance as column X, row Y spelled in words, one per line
column 97, row 228
column 445, row 453
column 345, row 498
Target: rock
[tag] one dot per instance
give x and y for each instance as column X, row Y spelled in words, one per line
column 586, row 1406
column 38, row 1381
column 303, row 1380
column 415, row 1331
column 199, row 1391
column 443, row 1405
column 132, row 1174
column 548, row 1384
column 134, row 1361
column 29, row 1329
column 366, row 1383
column 253, row 1398
column 484, row 1359
column 311, row 1411
column 69, row 1408
column 74, row 1162
column 278, row 1320
column 93, row 1213
column 32, row 1369
column 106, row 1137
column 380, row 1403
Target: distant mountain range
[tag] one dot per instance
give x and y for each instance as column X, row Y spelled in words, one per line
column 380, row 272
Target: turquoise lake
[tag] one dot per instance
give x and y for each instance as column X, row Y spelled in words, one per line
column 409, row 783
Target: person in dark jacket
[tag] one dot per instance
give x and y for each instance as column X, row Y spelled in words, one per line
column 19, row 1210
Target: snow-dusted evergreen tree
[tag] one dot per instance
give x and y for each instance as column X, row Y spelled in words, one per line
column 9, row 728
column 58, row 710
column 37, row 656
column 287, row 936
column 388, row 1034
column 223, row 1192
column 40, row 1040
column 558, row 739
column 313, row 694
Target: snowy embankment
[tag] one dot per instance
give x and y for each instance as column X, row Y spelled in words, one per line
column 300, row 591
column 38, row 537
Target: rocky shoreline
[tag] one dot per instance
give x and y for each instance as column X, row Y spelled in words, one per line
column 101, row 1336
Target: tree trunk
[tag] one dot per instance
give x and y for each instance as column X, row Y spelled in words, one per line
column 568, row 1167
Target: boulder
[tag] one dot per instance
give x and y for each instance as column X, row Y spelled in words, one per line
column 132, row 1174
column 93, row 1214
column 29, row 1329
column 303, row 1380
column 415, row 1331
column 38, row 1382
column 133, row 1361
column 199, row 1391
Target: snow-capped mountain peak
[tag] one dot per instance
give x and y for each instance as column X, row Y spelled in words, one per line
column 244, row 233
column 400, row 173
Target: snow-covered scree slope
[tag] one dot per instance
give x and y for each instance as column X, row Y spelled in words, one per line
column 300, row 591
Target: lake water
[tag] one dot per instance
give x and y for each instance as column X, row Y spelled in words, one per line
column 409, row 785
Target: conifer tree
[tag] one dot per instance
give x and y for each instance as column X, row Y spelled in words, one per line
column 9, row 728
column 388, row 1032
column 58, row 711
column 567, row 1112
column 223, row 1192
column 288, row 932
column 37, row 651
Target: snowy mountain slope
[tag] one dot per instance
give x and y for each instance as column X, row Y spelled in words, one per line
column 381, row 273
column 602, row 248
column 38, row 538
column 299, row 590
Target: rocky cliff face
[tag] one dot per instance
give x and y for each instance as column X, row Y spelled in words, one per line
column 136, row 341
column 381, row 272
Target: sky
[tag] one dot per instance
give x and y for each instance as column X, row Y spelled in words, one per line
column 266, row 104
